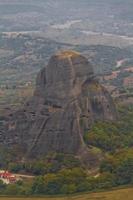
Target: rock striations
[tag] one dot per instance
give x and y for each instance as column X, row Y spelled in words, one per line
column 66, row 102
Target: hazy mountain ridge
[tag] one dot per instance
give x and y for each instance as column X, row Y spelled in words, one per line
column 103, row 16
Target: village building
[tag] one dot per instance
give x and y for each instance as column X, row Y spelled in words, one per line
column 7, row 177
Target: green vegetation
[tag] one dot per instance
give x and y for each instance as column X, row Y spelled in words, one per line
column 56, row 174
column 119, row 194
column 120, row 165
column 113, row 136
column 115, row 140
column 65, row 181
column 50, row 164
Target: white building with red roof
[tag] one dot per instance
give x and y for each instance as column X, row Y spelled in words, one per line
column 7, row 177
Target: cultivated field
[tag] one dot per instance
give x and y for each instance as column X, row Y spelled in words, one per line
column 121, row 194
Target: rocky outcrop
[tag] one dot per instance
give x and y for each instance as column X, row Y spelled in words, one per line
column 67, row 101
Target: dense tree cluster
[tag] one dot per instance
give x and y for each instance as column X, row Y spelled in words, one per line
column 50, row 164
column 66, row 181
column 120, row 165
column 112, row 136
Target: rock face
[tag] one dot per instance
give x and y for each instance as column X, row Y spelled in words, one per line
column 66, row 102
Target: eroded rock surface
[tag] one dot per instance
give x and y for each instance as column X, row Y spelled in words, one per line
column 67, row 101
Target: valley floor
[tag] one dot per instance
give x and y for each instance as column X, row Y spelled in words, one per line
column 120, row 194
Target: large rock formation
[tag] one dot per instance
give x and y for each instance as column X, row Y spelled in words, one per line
column 66, row 102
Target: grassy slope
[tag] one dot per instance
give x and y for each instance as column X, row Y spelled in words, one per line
column 120, row 194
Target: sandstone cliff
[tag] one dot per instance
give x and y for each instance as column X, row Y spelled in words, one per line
column 66, row 102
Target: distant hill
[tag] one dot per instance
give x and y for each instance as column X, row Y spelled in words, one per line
column 112, row 17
